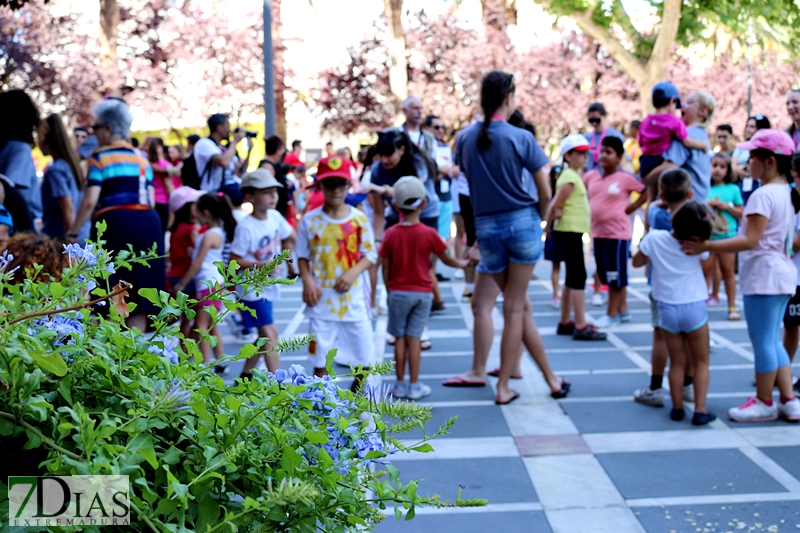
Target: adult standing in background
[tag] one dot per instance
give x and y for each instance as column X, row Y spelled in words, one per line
column 444, row 187
column 724, row 138
column 79, row 135
column 740, row 156
column 596, row 117
column 62, row 186
column 421, row 138
column 119, row 191
column 213, row 163
column 793, row 109
column 492, row 154
column 166, row 178
column 20, row 121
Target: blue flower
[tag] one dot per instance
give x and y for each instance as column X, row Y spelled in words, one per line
column 5, row 259
column 65, row 327
column 168, row 350
column 110, row 268
column 281, row 375
column 297, row 372
column 173, row 398
column 90, row 285
column 77, row 254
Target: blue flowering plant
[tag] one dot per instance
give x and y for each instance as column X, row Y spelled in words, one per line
column 81, row 393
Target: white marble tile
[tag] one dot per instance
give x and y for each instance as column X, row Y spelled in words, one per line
column 641, row 441
column 615, row 519
column 463, row 448
column 771, row 436
column 572, row 481
column 546, row 418
column 491, row 508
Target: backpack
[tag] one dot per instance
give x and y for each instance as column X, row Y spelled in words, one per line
column 189, row 174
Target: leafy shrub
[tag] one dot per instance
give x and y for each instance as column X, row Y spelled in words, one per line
column 82, row 394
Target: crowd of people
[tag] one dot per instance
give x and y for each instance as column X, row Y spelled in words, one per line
column 486, row 201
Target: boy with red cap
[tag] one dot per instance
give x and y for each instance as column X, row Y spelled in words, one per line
column 335, row 246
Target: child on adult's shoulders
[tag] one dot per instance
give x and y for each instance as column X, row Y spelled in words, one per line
column 609, row 191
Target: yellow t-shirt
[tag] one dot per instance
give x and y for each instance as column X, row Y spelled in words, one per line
column 575, row 216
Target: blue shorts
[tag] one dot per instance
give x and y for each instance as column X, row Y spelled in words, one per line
column 263, row 309
column 611, row 256
column 408, row 313
column 514, row 237
column 552, row 251
column 445, row 218
column 683, row 318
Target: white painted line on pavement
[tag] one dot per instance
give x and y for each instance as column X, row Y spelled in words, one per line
column 714, row 499
column 491, row 508
column 462, row 448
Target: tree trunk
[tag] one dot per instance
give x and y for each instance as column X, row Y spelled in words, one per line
column 278, row 65
column 398, row 67
column 109, row 31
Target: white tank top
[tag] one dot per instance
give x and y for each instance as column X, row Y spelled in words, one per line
column 208, row 270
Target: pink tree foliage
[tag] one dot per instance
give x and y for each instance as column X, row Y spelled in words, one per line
column 555, row 83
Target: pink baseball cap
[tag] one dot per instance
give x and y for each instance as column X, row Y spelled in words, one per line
column 183, row 195
column 776, row 141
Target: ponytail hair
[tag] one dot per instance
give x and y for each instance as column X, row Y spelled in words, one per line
column 219, row 206
column 495, row 88
column 785, row 165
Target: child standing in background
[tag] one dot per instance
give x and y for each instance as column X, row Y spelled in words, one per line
column 184, row 233
column 726, row 200
column 334, row 248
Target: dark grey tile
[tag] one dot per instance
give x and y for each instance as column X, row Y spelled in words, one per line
column 482, row 421
column 756, row 517
column 725, row 380
column 588, row 360
column 686, row 473
column 734, row 335
column 611, row 417
column 435, row 364
column 565, row 341
column 607, row 384
column 640, row 338
column 447, row 344
column 512, row 522
column 440, row 393
column 497, row 479
column 447, row 323
column 725, row 356
column 786, row 456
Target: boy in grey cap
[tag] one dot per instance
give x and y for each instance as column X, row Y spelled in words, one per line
column 406, row 255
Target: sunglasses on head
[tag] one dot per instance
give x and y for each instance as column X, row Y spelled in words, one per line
column 595, row 121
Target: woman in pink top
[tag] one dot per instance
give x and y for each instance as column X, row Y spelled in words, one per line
column 166, row 178
column 767, row 274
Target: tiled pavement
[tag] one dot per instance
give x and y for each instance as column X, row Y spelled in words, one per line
column 595, row 461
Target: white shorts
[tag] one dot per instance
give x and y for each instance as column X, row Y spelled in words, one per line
column 352, row 340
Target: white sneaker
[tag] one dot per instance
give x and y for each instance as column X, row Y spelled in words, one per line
column 648, row 396
column 399, row 389
column 606, row 321
column 754, row 410
column 555, row 303
column 597, row 300
column 625, row 317
column 458, row 274
column 418, row 391
column 688, row 393
column 790, row 410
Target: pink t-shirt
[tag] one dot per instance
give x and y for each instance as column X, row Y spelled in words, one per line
column 768, row 268
column 159, row 175
column 608, row 198
column 657, row 131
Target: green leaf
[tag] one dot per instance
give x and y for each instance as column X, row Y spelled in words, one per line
column 171, row 456
column 207, row 513
column 56, row 290
column 329, row 363
column 290, row 460
column 53, row 363
column 423, row 448
column 316, row 437
column 150, row 294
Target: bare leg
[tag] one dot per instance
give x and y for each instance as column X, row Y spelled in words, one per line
column 697, row 341
column 203, row 323
column 708, row 270
column 533, row 342
column 514, row 284
column 716, row 277
column 676, row 345
column 483, row 300
column 623, row 304
column 414, row 358
column 461, row 234
column 579, row 305
column 659, row 353
column 554, row 278
column 791, row 339
column 271, row 358
column 615, row 299
column 597, row 283
column 373, row 285
column 219, row 349
column 726, row 267
column 400, row 358
column 437, row 294
column 567, row 301
column 137, row 320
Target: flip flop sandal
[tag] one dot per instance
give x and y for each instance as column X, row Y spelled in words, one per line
column 496, row 374
column 458, row 381
column 513, row 397
column 390, row 340
column 565, row 387
column 425, row 345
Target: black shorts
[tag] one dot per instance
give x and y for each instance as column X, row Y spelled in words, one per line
column 611, row 256
column 552, row 251
column 571, row 244
column 647, row 163
column 469, row 218
column 431, row 222
column 792, row 315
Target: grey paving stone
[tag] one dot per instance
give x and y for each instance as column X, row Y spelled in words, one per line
column 565, row 341
column 686, row 473
column 510, row 522
column 786, row 456
column 480, row 421
column 725, row 356
column 497, row 479
column 440, row 393
column 781, row 516
column 446, row 323
column 433, row 364
column 448, row 344
column 612, row 417
column 734, row 335
column 588, row 360
column 724, row 380
column 607, row 384
column 643, row 338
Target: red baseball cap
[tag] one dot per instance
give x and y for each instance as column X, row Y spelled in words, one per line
column 334, row 166
column 775, row 141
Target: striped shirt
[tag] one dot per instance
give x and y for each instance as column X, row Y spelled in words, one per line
column 124, row 177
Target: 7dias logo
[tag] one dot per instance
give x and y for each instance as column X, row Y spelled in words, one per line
column 68, row 501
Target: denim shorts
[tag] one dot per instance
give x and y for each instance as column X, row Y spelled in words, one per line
column 684, row 318
column 515, row 237
column 408, row 313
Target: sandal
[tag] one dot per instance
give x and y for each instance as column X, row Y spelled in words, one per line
column 513, row 397
column 390, row 340
column 733, row 314
column 459, row 381
column 565, row 387
column 496, row 374
column 425, row 344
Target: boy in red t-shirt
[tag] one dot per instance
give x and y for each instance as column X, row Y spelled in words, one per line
column 406, row 255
